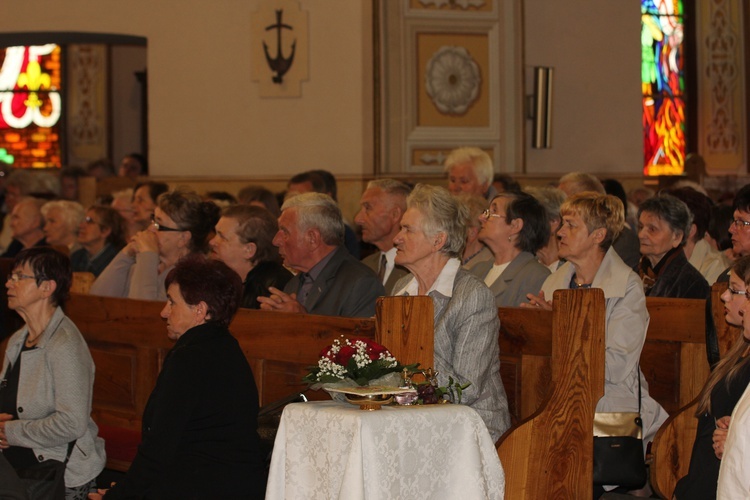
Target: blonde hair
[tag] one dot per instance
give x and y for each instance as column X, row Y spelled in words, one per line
column 732, row 362
column 597, row 211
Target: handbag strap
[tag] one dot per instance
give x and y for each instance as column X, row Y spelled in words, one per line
column 71, row 445
column 639, row 388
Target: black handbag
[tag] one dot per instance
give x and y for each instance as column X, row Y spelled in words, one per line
column 46, row 480
column 618, row 448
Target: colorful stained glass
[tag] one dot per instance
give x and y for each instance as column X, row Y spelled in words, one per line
column 30, row 106
column 663, row 87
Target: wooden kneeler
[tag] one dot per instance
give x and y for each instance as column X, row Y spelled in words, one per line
column 550, row 454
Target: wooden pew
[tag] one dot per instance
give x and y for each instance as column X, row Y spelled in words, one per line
column 673, row 358
column 550, row 453
column 128, row 342
column 673, row 444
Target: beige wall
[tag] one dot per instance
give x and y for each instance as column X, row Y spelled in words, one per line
column 199, row 81
column 594, row 49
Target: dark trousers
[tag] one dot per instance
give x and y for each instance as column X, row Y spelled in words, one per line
column 11, row 487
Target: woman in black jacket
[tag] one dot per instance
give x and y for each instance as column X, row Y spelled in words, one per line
column 200, row 435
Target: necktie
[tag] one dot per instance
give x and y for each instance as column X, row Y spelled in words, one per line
column 381, row 268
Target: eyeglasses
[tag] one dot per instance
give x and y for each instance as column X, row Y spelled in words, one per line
column 740, row 224
column 737, row 292
column 159, row 227
column 16, row 277
column 487, row 214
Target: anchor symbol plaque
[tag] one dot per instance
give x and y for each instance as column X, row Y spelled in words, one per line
column 280, row 47
column 279, row 64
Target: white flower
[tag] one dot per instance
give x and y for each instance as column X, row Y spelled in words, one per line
column 452, row 80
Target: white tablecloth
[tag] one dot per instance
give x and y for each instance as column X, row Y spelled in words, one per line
column 334, row 450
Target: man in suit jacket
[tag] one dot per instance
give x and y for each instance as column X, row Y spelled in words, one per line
column 330, row 281
column 382, row 205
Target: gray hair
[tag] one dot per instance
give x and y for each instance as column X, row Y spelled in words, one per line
column 583, row 182
column 551, row 199
column 475, row 205
column 72, row 212
column 671, row 210
column 394, row 188
column 318, row 211
column 441, row 213
column 480, row 162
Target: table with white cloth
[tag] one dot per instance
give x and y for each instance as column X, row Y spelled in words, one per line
column 333, row 450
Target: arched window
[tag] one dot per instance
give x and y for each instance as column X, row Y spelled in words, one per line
column 663, row 86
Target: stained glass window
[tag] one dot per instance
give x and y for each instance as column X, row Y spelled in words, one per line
column 30, row 106
column 663, row 87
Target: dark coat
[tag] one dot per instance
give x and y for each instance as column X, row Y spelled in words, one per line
column 345, row 287
column 257, row 281
column 679, row 279
column 81, row 260
column 200, row 435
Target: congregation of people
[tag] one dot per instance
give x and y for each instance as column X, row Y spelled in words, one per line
column 480, row 243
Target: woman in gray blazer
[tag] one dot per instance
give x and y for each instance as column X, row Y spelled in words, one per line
column 514, row 227
column 429, row 245
column 48, row 376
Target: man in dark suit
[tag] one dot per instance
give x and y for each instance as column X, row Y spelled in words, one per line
column 330, row 281
column 382, row 205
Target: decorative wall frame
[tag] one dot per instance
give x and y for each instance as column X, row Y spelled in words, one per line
column 448, row 74
column 87, row 103
column 722, row 85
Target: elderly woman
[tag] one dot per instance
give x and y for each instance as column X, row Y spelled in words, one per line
column 429, row 245
column 180, row 226
column 513, row 228
column 244, row 242
column 591, row 222
column 728, row 380
column 101, row 237
column 663, row 227
column 48, row 377
column 61, row 221
column 200, row 435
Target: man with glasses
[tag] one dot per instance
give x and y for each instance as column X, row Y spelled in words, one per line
column 739, row 228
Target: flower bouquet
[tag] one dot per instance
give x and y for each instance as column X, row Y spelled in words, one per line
column 355, row 362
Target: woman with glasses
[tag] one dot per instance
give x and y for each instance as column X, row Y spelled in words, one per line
column 664, row 226
column 514, row 227
column 48, row 378
column 590, row 223
column 181, row 225
column 101, row 237
column 724, row 387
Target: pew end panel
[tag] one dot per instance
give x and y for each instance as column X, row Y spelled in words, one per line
column 550, row 454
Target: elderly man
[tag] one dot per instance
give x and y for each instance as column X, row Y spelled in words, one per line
column 470, row 171
column 330, row 281
column 739, row 228
column 26, row 223
column 381, row 207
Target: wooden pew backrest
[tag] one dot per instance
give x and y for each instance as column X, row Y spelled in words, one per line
column 673, row 444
